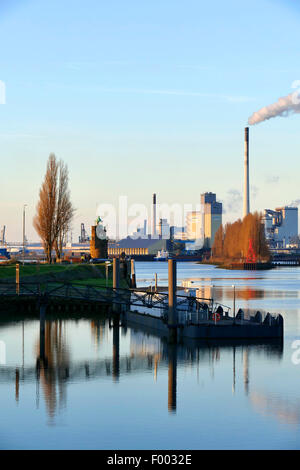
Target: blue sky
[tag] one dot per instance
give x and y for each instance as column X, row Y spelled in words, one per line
column 142, row 97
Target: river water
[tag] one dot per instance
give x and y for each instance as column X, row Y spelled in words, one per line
column 100, row 387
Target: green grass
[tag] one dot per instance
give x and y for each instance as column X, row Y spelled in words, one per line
column 95, row 282
column 9, row 272
column 85, row 274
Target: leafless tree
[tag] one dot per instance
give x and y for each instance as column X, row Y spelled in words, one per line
column 54, row 209
column 64, row 209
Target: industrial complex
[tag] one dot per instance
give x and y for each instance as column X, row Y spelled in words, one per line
column 159, row 239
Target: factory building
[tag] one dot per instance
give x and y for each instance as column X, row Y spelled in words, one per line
column 212, row 214
column 194, row 225
column 83, row 238
column 281, row 226
column 164, row 228
column 138, row 247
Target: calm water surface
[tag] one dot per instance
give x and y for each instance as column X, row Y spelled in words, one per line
column 111, row 388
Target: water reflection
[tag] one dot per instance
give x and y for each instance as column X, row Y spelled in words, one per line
column 172, row 377
column 242, row 292
column 285, row 411
column 98, row 329
column 55, row 369
column 116, row 348
column 150, row 393
column 52, row 364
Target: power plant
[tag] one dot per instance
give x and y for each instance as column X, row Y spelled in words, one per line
column 2, row 236
column 154, row 216
column 246, row 174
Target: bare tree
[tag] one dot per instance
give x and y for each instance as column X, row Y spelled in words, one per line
column 64, row 210
column 54, row 208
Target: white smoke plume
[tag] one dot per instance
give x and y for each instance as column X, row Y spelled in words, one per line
column 286, row 105
column 295, row 203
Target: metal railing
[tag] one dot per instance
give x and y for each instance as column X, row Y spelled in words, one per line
column 190, row 309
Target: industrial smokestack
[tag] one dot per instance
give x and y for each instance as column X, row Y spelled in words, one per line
column 154, row 216
column 246, row 174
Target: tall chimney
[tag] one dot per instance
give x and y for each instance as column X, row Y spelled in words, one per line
column 154, row 216
column 246, row 174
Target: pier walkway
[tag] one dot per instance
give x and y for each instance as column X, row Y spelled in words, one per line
column 68, row 292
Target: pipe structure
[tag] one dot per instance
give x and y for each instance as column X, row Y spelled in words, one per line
column 246, row 174
column 154, row 216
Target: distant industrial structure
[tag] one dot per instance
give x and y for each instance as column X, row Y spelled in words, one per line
column 155, row 239
column 281, row 226
column 2, row 235
column 194, row 225
column 83, row 238
column 246, row 173
column 212, row 211
column 164, row 228
column 154, row 216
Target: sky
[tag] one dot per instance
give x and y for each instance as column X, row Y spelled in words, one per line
column 143, row 97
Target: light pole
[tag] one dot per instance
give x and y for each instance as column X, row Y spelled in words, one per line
column 25, row 205
column 233, row 301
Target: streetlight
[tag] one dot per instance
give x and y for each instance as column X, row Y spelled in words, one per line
column 212, row 298
column 25, row 205
column 233, row 300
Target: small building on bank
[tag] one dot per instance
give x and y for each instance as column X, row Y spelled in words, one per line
column 138, row 246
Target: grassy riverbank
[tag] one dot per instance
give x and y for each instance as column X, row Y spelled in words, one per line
column 93, row 275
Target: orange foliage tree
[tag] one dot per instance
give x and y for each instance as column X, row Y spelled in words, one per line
column 232, row 241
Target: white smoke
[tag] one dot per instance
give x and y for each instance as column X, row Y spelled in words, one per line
column 295, row 203
column 283, row 107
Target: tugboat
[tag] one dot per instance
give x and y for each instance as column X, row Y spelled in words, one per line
column 162, row 255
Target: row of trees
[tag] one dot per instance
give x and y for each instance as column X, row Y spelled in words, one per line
column 232, row 241
column 54, row 211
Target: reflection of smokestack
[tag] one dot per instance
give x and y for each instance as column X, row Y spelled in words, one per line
column 246, row 174
column 154, row 216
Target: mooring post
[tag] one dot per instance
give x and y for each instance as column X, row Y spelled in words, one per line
column 17, row 279
column 107, row 264
column 116, row 281
column 233, row 301
column 133, row 280
column 155, row 280
column 116, row 273
column 172, row 317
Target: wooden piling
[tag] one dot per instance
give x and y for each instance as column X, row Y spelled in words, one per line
column 172, row 316
column 133, row 279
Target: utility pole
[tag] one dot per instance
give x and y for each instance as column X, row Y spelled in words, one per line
column 25, row 205
column 233, row 301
